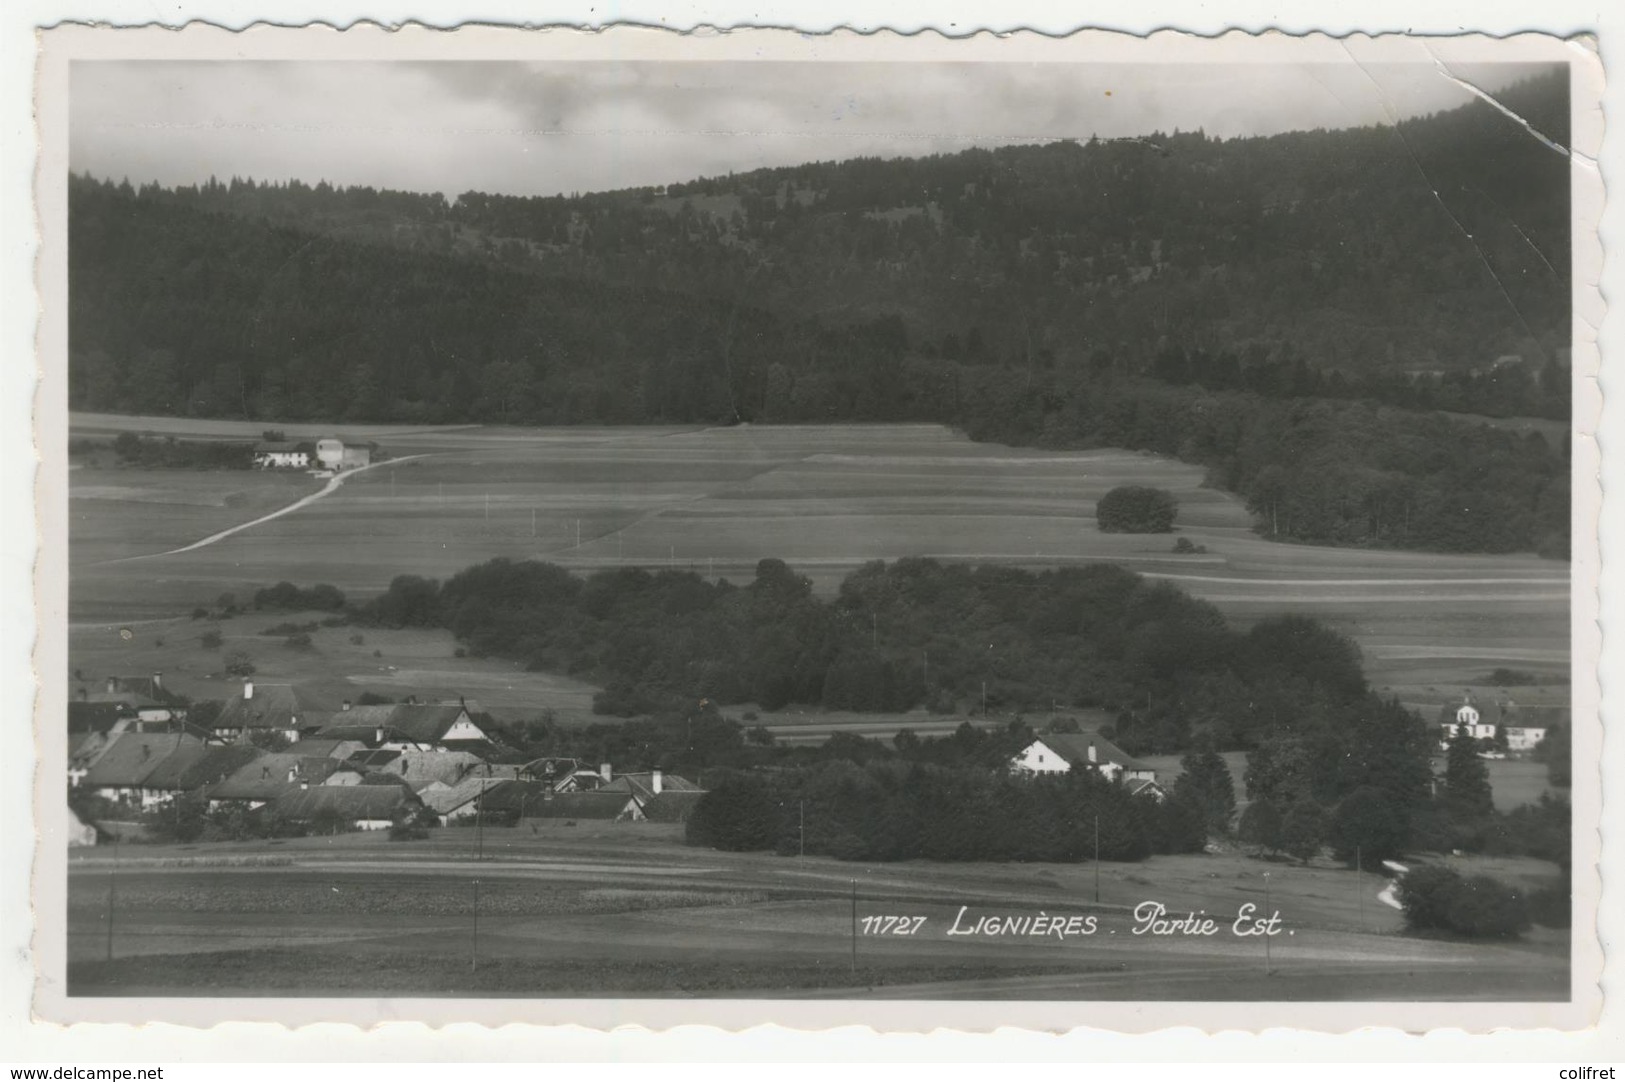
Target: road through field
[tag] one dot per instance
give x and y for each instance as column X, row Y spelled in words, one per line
column 328, row 489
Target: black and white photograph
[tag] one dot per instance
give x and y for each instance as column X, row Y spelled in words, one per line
column 641, row 519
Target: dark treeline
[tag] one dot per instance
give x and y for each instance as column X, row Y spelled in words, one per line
column 915, row 632
column 907, row 811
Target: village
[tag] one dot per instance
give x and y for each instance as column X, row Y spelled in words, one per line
column 287, row 764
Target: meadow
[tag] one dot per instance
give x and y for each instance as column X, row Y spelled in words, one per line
column 825, row 499
column 616, row 908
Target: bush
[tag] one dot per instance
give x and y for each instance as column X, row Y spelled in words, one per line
column 1185, row 547
column 300, row 641
column 1438, row 899
column 238, row 663
column 1136, row 509
column 211, row 639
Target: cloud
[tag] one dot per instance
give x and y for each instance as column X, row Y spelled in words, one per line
column 559, row 127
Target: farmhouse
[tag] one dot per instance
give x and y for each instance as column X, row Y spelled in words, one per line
column 333, row 453
column 1057, row 753
column 616, row 807
column 262, row 708
column 122, row 770
column 357, row 807
column 437, row 727
column 1524, row 738
column 648, row 785
column 672, row 806
column 1468, row 717
column 141, row 697
column 268, row 777
column 283, row 455
column 457, row 802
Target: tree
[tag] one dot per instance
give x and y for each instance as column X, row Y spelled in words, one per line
column 1303, row 829
column 1261, row 825
column 1136, row 509
column 238, row 663
column 1206, row 781
column 1369, row 825
column 1467, row 781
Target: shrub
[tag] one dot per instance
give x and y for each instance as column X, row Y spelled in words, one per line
column 300, row 641
column 1438, row 899
column 238, row 663
column 1136, row 509
column 1185, row 546
column 211, row 639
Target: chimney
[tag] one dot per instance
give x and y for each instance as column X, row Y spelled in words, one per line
column 654, row 781
column 112, row 685
column 378, row 735
column 248, row 689
column 304, row 784
column 1092, row 758
column 606, row 772
column 158, row 681
column 293, row 773
column 345, row 705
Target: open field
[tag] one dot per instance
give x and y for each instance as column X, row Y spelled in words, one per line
column 607, row 908
column 824, row 498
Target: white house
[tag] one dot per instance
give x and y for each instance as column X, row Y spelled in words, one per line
column 1524, row 737
column 282, row 455
column 1468, row 718
column 1057, row 753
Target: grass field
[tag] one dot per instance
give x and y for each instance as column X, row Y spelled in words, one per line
column 824, row 498
column 618, row 908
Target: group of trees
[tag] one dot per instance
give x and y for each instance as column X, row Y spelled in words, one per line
column 911, row 633
column 1244, row 304
column 909, row 810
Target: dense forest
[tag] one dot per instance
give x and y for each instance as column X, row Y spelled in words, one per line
column 1228, row 301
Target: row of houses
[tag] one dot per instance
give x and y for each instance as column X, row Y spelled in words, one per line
column 364, row 767
column 327, row 453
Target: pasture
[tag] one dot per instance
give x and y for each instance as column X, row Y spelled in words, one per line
column 825, row 499
column 606, row 908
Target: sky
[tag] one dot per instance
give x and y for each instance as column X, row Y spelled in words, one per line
column 563, row 127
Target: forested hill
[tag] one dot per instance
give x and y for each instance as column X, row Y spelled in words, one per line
column 1245, row 304
column 1440, row 244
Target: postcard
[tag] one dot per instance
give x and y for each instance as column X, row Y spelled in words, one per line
column 752, row 527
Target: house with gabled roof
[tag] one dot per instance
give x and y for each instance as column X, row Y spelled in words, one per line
column 457, row 802
column 406, row 726
column 195, row 767
column 1057, row 753
column 268, row 777
column 357, row 807
column 122, row 770
column 595, row 805
column 264, row 709
column 672, row 806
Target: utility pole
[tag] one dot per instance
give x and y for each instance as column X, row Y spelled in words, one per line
column 854, row 928
column 112, row 897
column 801, row 832
column 1269, row 969
column 479, row 826
column 1359, row 885
column 474, row 951
column 1097, row 858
